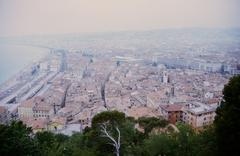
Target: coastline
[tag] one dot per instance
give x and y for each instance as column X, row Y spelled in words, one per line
column 13, row 78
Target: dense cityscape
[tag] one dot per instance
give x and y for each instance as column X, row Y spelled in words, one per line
column 119, row 78
column 65, row 90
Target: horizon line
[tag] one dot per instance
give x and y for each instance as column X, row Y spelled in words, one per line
column 116, row 31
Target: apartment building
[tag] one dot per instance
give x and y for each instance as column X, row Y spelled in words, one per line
column 198, row 114
column 36, row 107
column 43, row 110
column 195, row 114
column 172, row 112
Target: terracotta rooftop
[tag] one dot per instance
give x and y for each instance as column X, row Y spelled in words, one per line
column 38, row 124
column 42, row 107
column 32, row 102
column 35, row 123
column 137, row 112
column 27, row 103
column 58, row 119
column 2, row 109
column 213, row 101
column 172, row 107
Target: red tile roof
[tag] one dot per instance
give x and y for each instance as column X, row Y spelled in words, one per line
column 172, row 107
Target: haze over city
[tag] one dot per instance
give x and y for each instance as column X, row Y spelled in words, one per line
column 119, row 77
column 27, row 17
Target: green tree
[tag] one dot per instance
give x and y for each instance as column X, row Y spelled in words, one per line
column 114, row 117
column 206, row 140
column 227, row 120
column 51, row 144
column 16, row 139
column 160, row 144
column 130, row 137
column 148, row 123
column 79, row 145
column 46, row 141
column 186, row 140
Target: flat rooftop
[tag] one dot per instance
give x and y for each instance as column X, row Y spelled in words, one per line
column 201, row 108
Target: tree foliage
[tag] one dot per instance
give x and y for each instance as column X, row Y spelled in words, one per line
column 148, row 123
column 16, row 140
column 19, row 140
column 114, row 117
column 227, row 120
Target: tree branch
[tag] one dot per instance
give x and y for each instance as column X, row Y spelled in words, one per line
column 115, row 143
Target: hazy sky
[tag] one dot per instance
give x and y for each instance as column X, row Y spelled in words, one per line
column 25, row 17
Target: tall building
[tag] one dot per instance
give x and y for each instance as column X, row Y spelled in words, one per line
column 3, row 115
column 165, row 78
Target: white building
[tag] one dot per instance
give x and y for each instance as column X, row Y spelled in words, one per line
column 165, row 77
column 25, row 109
column 43, row 111
column 198, row 114
column 35, row 108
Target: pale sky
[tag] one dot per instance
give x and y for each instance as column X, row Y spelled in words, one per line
column 26, row 17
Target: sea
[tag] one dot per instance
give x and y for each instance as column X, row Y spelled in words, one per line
column 13, row 58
